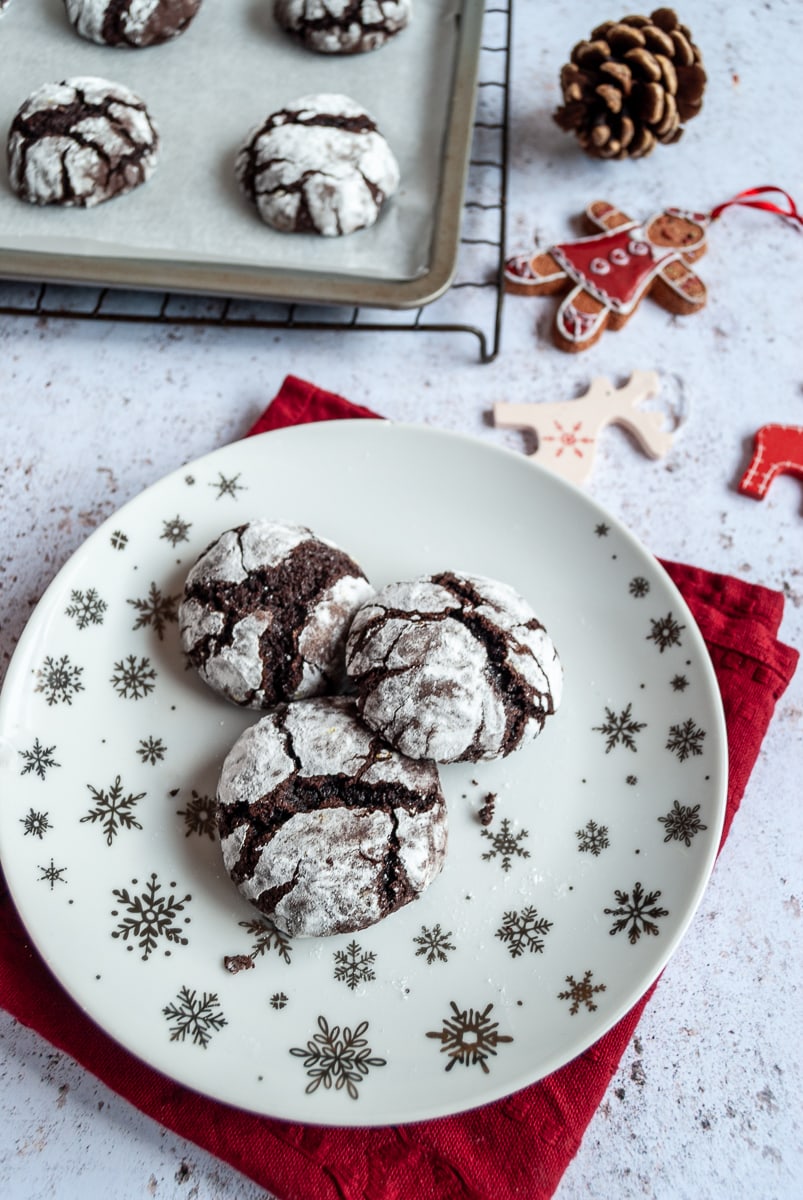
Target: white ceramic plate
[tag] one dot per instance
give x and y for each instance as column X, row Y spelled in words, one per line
column 544, row 927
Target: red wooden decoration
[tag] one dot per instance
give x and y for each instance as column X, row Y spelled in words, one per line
column 778, row 450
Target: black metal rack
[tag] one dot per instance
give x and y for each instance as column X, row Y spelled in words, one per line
column 472, row 304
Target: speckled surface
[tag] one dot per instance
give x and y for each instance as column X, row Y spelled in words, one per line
column 706, row 1102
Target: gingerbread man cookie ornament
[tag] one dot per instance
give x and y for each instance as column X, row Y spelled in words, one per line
column 607, row 275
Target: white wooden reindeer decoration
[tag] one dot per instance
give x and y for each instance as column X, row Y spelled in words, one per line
column 567, row 432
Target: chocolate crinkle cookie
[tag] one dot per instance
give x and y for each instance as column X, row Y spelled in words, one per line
column 320, row 165
column 342, row 26
column 265, row 613
column 134, row 23
column 453, row 667
column 80, row 142
column 322, row 826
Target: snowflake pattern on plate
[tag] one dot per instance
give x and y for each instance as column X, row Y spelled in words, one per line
column 133, row 678
column 434, row 944
column 38, row 760
column 265, row 937
column 278, row 1001
column 227, row 486
column 335, row 1059
column 195, row 1017
column 199, row 816
column 148, row 916
column 581, row 991
column 639, row 587
column 112, row 809
column 524, row 932
column 86, row 608
column 35, row 824
column 665, row 632
column 176, row 531
column 151, row 750
column 469, row 1037
column 637, row 913
column 592, row 838
column 505, row 845
column 52, row 874
column 354, row 965
column 59, row 679
column 118, row 540
column 682, row 823
column 685, row 740
column 155, row 611
column 621, row 729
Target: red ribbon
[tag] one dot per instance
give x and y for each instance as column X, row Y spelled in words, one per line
column 745, row 200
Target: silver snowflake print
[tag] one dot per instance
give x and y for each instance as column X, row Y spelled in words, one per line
column 36, row 824
column 194, row 1016
column 638, row 586
column 631, row 780
column 581, row 991
column 679, row 683
column 227, row 487
column 199, row 815
column 685, row 740
column 621, row 729
column 636, row 913
column 155, row 610
column 337, row 1059
column 665, row 632
column 354, row 965
column 682, row 823
column 151, row 750
column 278, row 1000
column 524, row 931
column 52, row 875
column 59, row 680
column 469, row 1037
column 593, row 838
column 505, row 844
column 189, row 480
column 38, row 760
column 119, row 540
column 602, row 530
column 434, row 944
column 133, row 678
column 86, row 608
column 266, row 936
column 113, row 810
column 175, row 531
column 148, row 916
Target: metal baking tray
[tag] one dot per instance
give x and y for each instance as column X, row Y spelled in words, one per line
column 188, row 229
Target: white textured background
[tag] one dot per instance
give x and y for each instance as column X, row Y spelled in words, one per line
column 706, row 1103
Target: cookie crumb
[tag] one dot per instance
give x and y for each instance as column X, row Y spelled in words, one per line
column 238, row 962
column 486, row 813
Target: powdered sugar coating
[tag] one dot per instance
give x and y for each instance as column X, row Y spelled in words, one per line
column 322, row 826
column 265, row 613
column 453, row 667
column 320, row 165
column 342, row 26
column 80, row 142
column 134, row 23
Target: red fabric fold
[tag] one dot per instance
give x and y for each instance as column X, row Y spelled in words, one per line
column 517, row 1147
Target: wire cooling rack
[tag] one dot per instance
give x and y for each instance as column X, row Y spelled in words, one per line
column 472, row 304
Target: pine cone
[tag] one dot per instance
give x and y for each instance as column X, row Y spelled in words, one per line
column 632, row 84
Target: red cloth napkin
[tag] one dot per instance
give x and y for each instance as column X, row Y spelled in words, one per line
column 518, row 1147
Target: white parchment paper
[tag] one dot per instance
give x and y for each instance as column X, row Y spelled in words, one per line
column 206, row 90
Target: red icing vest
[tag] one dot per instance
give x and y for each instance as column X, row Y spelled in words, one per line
column 615, row 267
